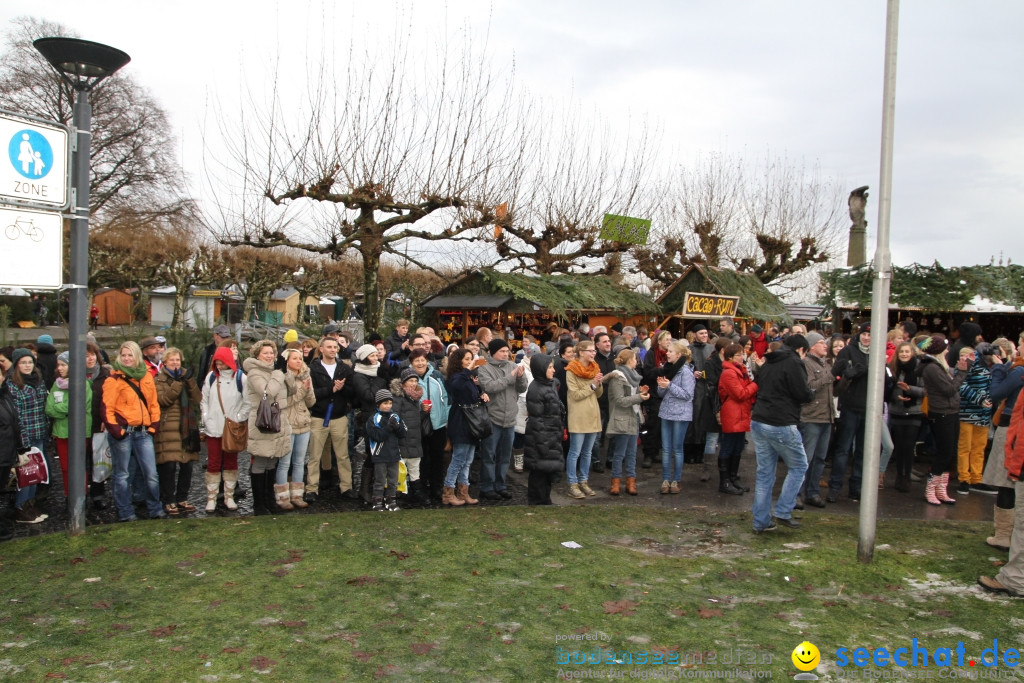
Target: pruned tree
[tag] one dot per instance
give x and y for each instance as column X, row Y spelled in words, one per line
column 577, row 170
column 133, row 161
column 390, row 153
column 257, row 272
column 779, row 222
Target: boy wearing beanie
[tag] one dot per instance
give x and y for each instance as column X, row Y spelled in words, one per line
column 384, row 431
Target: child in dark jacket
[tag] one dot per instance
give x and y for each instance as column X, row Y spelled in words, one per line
column 384, row 431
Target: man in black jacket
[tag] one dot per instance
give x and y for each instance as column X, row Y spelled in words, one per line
column 851, row 373
column 333, row 392
column 781, row 390
column 606, row 361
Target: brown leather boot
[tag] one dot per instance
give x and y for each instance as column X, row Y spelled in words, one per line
column 448, row 497
column 631, row 485
column 616, row 484
column 463, row 493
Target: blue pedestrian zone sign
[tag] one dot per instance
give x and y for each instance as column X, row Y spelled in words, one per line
column 34, row 173
column 31, row 154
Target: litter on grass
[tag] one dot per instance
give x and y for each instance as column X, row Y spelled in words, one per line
column 571, row 544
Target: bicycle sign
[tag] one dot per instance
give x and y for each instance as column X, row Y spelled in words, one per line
column 24, row 226
column 34, row 168
column 32, row 248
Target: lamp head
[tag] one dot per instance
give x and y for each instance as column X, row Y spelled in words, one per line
column 82, row 63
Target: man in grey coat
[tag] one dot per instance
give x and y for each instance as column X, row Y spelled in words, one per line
column 816, row 417
column 503, row 381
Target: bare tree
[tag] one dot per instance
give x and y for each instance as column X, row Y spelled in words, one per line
column 780, row 222
column 577, row 170
column 132, row 157
column 257, row 272
column 380, row 156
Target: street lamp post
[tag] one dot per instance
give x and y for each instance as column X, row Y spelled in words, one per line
column 82, row 64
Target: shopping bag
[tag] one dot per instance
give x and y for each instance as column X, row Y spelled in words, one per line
column 32, row 468
column 102, row 464
column 403, row 477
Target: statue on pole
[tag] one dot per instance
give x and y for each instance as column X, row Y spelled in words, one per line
column 857, row 253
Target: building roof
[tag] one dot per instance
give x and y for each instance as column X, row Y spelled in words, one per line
column 756, row 300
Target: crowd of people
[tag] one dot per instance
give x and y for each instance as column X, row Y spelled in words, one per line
column 405, row 413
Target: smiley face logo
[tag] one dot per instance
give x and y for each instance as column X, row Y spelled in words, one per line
column 806, row 656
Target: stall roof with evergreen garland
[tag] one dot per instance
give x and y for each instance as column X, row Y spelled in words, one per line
column 756, row 300
column 931, row 288
column 559, row 294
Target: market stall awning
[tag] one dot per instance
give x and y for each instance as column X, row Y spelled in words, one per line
column 756, row 300
column 467, row 302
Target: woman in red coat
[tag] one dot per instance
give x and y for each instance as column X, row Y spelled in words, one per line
column 737, row 392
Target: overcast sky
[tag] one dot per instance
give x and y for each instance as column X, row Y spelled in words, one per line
column 802, row 79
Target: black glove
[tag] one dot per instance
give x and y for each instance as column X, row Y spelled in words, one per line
column 394, row 423
column 187, row 374
column 854, row 370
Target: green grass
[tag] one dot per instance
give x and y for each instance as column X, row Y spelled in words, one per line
column 481, row 594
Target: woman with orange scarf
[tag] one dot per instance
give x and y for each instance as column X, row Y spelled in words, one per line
column 584, row 379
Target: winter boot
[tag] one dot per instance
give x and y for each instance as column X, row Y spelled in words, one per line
column 631, row 485
column 614, row 489
column 366, row 480
column 734, row 472
column 585, row 487
column 725, row 484
column 230, row 482
column 942, row 492
column 929, row 490
column 295, row 489
column 283, row 497
column 1003, row 520
column 574, row 491
column 212, row 485
column 517, row 462
column 463, row 493
column 392, row 505
column 418, row 493
column 378, row 505
column 448, row 497
column 260, row 504
column 705, row 470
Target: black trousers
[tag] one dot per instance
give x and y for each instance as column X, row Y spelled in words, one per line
column 538, row 487
column 174, row 489
column 946, row 430
column 904, row 439
column 432, row 466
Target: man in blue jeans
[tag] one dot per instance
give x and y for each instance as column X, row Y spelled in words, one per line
column 816, row 417
column 503, row 381
column 781, row 390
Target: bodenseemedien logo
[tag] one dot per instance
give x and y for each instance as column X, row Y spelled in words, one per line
column 806, row 658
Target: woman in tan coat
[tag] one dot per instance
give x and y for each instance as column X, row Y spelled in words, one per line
column 583, row 380
column 177, row 440
column 289, row 495
column 266, row 447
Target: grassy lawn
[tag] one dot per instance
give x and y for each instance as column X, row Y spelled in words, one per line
column 485, row 595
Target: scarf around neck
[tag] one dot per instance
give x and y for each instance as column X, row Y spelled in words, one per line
column 631, row 375
column 135, row 373
column 364, row 369
column 576, row 368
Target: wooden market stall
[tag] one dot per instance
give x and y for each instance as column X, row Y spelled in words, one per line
column 704, row 294
column 525, row 304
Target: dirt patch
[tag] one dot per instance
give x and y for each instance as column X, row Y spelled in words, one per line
column 688, row 543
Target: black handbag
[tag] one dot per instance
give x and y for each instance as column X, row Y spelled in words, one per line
column 478, row 420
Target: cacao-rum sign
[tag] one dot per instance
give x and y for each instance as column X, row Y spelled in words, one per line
column 699, row 305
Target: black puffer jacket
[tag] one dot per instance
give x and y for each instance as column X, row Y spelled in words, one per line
column 542, row 450
column 10, row 431
column 411, row 413
column 365, row 388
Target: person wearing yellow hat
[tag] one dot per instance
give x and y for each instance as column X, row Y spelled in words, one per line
column 291, row 336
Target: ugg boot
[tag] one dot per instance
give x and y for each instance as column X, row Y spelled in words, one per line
column 230, row 482
column 212, row 485
column 942, row 490
column 929, row 490
column 448, row 497
column 283, row 497
column 725, row 484
column 631, row 485
column 295, row 489
column 260, row 504
column 614, row 489
column 463, row 493
column 1002, row 518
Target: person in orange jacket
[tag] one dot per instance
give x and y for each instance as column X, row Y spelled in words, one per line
column 131, row 415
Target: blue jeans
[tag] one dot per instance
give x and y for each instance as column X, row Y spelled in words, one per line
column 294, row 460
column 623, row 447
column 815, row 437
column 849, row 440
column 140, row 445
column 458, row 470
column 673, row 434
column 29, row 492
column 710, row 443
column 495, row 455
column 580, row 448
column 883, row 459
column 772, row 443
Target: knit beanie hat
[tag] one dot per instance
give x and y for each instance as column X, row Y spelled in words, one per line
column 813, row 338
column 934, row 345
column 496, row 345
column 364, row 351
column 44, row 339
column 383, row 395
column 64, row 358
column 20, row 353
column 756, row 329
column 290, row 336
column 408, row 374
